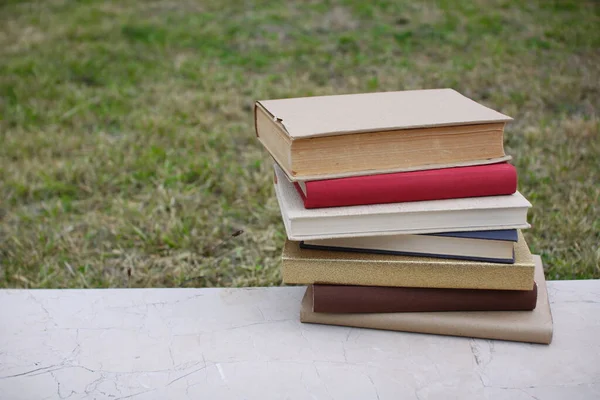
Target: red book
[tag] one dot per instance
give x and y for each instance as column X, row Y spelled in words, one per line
column 380, row 299
column 435, row 184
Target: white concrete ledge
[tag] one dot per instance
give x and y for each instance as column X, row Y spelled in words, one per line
column 249, row 344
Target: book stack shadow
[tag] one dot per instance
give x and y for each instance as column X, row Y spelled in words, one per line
column 402, row 213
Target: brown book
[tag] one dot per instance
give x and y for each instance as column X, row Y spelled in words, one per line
column 379, row 299
column 522, row 326
column 362, row 134
column 307, row 267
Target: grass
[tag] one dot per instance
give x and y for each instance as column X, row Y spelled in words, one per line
column 127, row 147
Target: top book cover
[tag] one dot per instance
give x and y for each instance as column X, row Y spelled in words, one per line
column 326, row 137
column 306, row 117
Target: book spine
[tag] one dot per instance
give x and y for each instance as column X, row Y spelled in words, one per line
column 439, row 184
column 371, row 299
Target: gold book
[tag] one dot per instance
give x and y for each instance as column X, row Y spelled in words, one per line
column 307, row 266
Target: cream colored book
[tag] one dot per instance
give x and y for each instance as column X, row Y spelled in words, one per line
column 434, row 216
column 307, row 266
column 523, row 326
column 493, row 246
column 324, row 137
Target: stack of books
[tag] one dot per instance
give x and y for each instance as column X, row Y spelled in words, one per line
column 402, row 213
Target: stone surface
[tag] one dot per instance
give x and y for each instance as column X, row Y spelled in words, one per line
column 249, row 344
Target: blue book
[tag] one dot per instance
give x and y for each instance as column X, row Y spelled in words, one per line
column 489, row 246
column 510, row 235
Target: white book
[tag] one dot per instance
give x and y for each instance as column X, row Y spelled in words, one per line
column 453, row 215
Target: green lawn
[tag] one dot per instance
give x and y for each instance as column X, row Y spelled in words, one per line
column 127, row 147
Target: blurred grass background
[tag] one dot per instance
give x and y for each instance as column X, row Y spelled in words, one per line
column 127, row 147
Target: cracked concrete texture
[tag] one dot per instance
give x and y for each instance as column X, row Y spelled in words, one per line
column 248, row 343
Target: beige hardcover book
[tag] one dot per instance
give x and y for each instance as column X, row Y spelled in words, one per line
column 522, row 326
column 359, row 134
column 307, row 266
